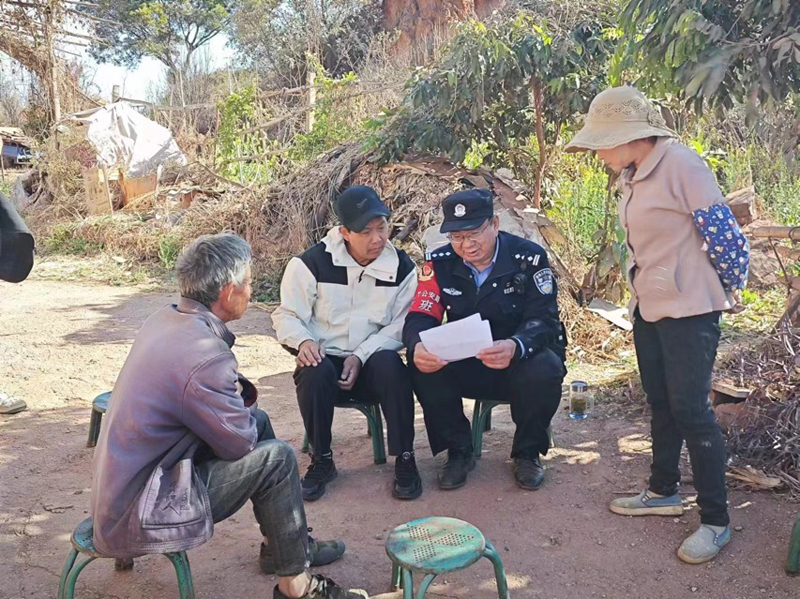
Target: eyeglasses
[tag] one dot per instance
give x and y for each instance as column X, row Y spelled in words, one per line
column 460, row 238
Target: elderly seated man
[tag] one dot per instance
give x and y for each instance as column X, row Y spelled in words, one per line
column 184, row 444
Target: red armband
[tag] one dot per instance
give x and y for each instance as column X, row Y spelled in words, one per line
column 428, row 299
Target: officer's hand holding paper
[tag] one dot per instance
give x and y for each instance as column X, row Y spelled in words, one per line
column 458, row 340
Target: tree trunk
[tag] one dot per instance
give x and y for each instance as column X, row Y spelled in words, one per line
column 421, row 22
column 537, row 102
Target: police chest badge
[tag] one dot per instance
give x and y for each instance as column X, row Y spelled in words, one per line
column 427, row 272
column 460, row 210
column 544, row 281
column 451, row 291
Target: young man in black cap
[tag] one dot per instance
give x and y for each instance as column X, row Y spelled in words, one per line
column 507, row 280
column 343, row 303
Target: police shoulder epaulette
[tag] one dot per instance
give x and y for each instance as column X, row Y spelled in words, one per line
column 440, row 254
column 531, row 258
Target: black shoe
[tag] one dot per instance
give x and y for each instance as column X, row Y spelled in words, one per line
column 322, row 554
column 407, row 483
column 319, row 473
column 325, row 588
column 528, row 472
column 454, row 472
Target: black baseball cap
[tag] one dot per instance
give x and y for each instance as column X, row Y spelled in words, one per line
column 466, row 210
column 358, row 205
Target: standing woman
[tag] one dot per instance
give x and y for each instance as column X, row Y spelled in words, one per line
column 687, row 261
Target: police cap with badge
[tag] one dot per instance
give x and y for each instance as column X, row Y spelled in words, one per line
column 466, row 210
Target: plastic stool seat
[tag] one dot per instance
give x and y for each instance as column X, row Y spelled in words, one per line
column 83, row 539
column 438, row 545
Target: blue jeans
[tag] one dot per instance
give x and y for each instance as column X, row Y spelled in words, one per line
column 676, row 358
column 268, row 476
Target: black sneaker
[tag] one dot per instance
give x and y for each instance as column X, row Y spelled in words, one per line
column 320, row 472
column 322, row 554
column 528, row 472
column 454, row 472
column 325, row 588
column 407, row 483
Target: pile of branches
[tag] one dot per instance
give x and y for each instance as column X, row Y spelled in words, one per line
column 765, row 440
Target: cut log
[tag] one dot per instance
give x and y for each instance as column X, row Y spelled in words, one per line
column 775, row 232
column 743, row 205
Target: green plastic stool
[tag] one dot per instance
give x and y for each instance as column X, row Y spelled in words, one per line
column 99, row 407
column 374, row 429
column 482, row 421
column 83, row 542
column 793, row 561
column 433, row 546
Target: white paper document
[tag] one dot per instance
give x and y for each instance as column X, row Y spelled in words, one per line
column 458, row 340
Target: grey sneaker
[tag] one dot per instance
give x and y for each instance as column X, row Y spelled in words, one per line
column 648, row 503
column 704, row 544
column 11, row 405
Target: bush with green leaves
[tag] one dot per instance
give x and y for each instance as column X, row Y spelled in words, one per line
column 510, row 88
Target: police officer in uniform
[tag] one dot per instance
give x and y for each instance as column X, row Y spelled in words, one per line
column 507, row 280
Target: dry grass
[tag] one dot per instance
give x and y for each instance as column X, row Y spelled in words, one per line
column 280, row 221
column 769, row 438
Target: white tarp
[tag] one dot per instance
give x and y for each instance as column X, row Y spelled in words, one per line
column 122, row 137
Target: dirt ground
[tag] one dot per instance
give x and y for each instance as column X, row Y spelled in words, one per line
column 62, row 343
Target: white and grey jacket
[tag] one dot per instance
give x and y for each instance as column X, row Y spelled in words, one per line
column 326, row 296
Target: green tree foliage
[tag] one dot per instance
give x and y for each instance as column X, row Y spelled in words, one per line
column 509, row 89
column 168, row 30
column 716, row 51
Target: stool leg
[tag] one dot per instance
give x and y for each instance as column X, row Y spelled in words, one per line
column 408, row 584
column 499, row 572
column 306, row 445
column 397, row 578
column 123, row 564
column 184, row 572
column 483, row 417
column 488, row 425
column 69, row 590
column 423, row 586
column 477, row 435
column 378, row 445
column 793, row 561
column 62, row 584
column 94, row 428
column 550, row 438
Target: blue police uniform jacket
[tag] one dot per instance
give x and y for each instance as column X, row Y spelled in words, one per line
column 518, row 298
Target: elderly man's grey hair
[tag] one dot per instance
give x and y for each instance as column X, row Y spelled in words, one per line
column 209, row 263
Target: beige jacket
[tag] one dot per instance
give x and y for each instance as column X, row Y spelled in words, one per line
column 326, row 296
column 669, row 272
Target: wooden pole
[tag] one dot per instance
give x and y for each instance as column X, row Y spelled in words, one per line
column 2, row 165
column 774, row 232
column 55, row 97
column 312, row 100
column 115, row 93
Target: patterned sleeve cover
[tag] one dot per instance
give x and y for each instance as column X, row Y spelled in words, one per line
column 727, row 247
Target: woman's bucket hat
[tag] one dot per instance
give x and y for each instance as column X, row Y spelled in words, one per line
column 618, row 116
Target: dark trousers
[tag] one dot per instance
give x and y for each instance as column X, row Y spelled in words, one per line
column 268, row 476
column 532, row 386
column 383, row 380
column 676, row 357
